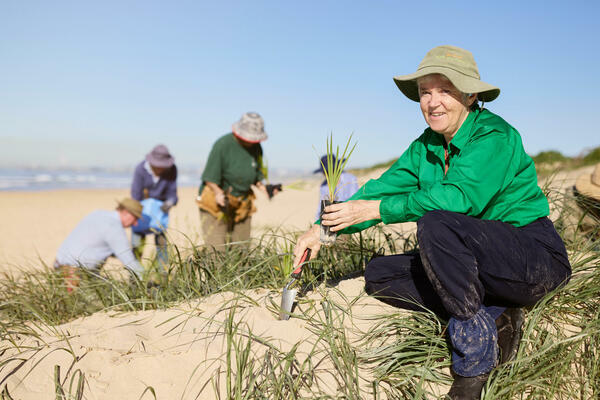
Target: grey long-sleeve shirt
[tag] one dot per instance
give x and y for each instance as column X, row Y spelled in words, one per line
column 98, row 236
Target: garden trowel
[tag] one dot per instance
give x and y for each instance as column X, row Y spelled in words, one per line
column 288, row 295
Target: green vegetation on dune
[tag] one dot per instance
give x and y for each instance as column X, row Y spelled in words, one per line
column 42, row 295
column 382, row 165
column 555, row 159
column 551, row 156
column 592, row 157
column 546, row 162
column 403, row 355
column 549, row 162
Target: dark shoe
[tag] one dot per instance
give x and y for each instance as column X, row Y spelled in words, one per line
column 467, row 388
column 509, row 326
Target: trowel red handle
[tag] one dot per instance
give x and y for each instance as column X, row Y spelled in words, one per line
column 305, row 257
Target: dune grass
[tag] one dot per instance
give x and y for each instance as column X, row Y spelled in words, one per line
column 402, row 356
column 546, row 162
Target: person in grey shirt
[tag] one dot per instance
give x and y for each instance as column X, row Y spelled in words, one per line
column 99, row 235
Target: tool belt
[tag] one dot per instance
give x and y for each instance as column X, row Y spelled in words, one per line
column 237, row 210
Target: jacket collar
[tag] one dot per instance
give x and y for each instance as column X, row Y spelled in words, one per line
column 463, row 134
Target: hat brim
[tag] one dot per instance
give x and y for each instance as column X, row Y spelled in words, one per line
column 586, row 187
column 136, row 214
column 247, row 136
column 168, row 163
column 466, row 84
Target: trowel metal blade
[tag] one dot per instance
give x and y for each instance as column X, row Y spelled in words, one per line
column 287, row 302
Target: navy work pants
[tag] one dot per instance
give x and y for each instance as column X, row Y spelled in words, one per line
column 468, row 270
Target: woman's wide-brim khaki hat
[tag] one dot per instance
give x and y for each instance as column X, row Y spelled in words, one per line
column 250, row 128
column 456, row 64
column 589, row 184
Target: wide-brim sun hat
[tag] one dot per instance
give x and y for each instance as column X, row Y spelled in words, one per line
column 456, row 64
column 160, row 157
column 133, row 206
column 250, row 128
column 589, row 184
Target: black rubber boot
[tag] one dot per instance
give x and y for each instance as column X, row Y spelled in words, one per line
column 467, row 388
column 509, row 325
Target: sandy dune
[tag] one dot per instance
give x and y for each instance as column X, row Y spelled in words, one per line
column 181, row 351
column 178, row 351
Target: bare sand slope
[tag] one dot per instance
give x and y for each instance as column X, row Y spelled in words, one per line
column 182, row 352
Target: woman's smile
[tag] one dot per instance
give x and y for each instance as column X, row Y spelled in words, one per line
column 442, row 105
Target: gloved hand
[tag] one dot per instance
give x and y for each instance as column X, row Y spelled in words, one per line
column 272, row 190
column 166, row 206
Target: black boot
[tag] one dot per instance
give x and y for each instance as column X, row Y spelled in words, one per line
column 467, row 388
column 509, row 325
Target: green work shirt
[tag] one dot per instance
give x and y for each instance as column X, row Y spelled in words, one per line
column 489, row 177
column 231, row 165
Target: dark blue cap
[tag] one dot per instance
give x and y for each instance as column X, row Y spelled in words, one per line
column 324, row 164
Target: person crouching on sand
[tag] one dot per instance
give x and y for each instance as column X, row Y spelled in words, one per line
column 99, row 235
column 486, row 246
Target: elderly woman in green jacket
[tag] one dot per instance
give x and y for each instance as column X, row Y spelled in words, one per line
column 486, row 246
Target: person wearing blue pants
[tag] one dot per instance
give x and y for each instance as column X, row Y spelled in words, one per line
column 486, row 246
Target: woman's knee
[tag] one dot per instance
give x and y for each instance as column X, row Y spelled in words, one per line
column 372, row 273
column 377, row 281
column 434, row 224
column 378, row 273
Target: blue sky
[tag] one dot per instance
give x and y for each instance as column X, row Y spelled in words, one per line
column 100, row 83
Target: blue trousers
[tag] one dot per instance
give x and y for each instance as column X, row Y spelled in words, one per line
column 468, row 271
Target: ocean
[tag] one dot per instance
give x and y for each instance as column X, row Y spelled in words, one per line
column 28, row 179
column 14, row 179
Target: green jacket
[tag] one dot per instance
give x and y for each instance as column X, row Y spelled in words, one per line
column 231, row 165
column 489, row 177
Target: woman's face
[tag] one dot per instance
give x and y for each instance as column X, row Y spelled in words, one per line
column 158, row 171
column 442, row 104
column 244, row 143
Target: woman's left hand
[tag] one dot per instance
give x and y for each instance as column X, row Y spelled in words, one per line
column 343, row 215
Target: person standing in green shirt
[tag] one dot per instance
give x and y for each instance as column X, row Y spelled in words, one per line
column 225, row 198
column 486, row 246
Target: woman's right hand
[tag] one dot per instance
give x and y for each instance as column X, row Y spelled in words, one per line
column 309, row 240
column 219, row 193
column 220, row 198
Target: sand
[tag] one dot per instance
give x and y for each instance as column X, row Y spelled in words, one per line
column 181, row 351
column 38, row 222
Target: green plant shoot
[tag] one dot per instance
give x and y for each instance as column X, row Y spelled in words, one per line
column 336, row 163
